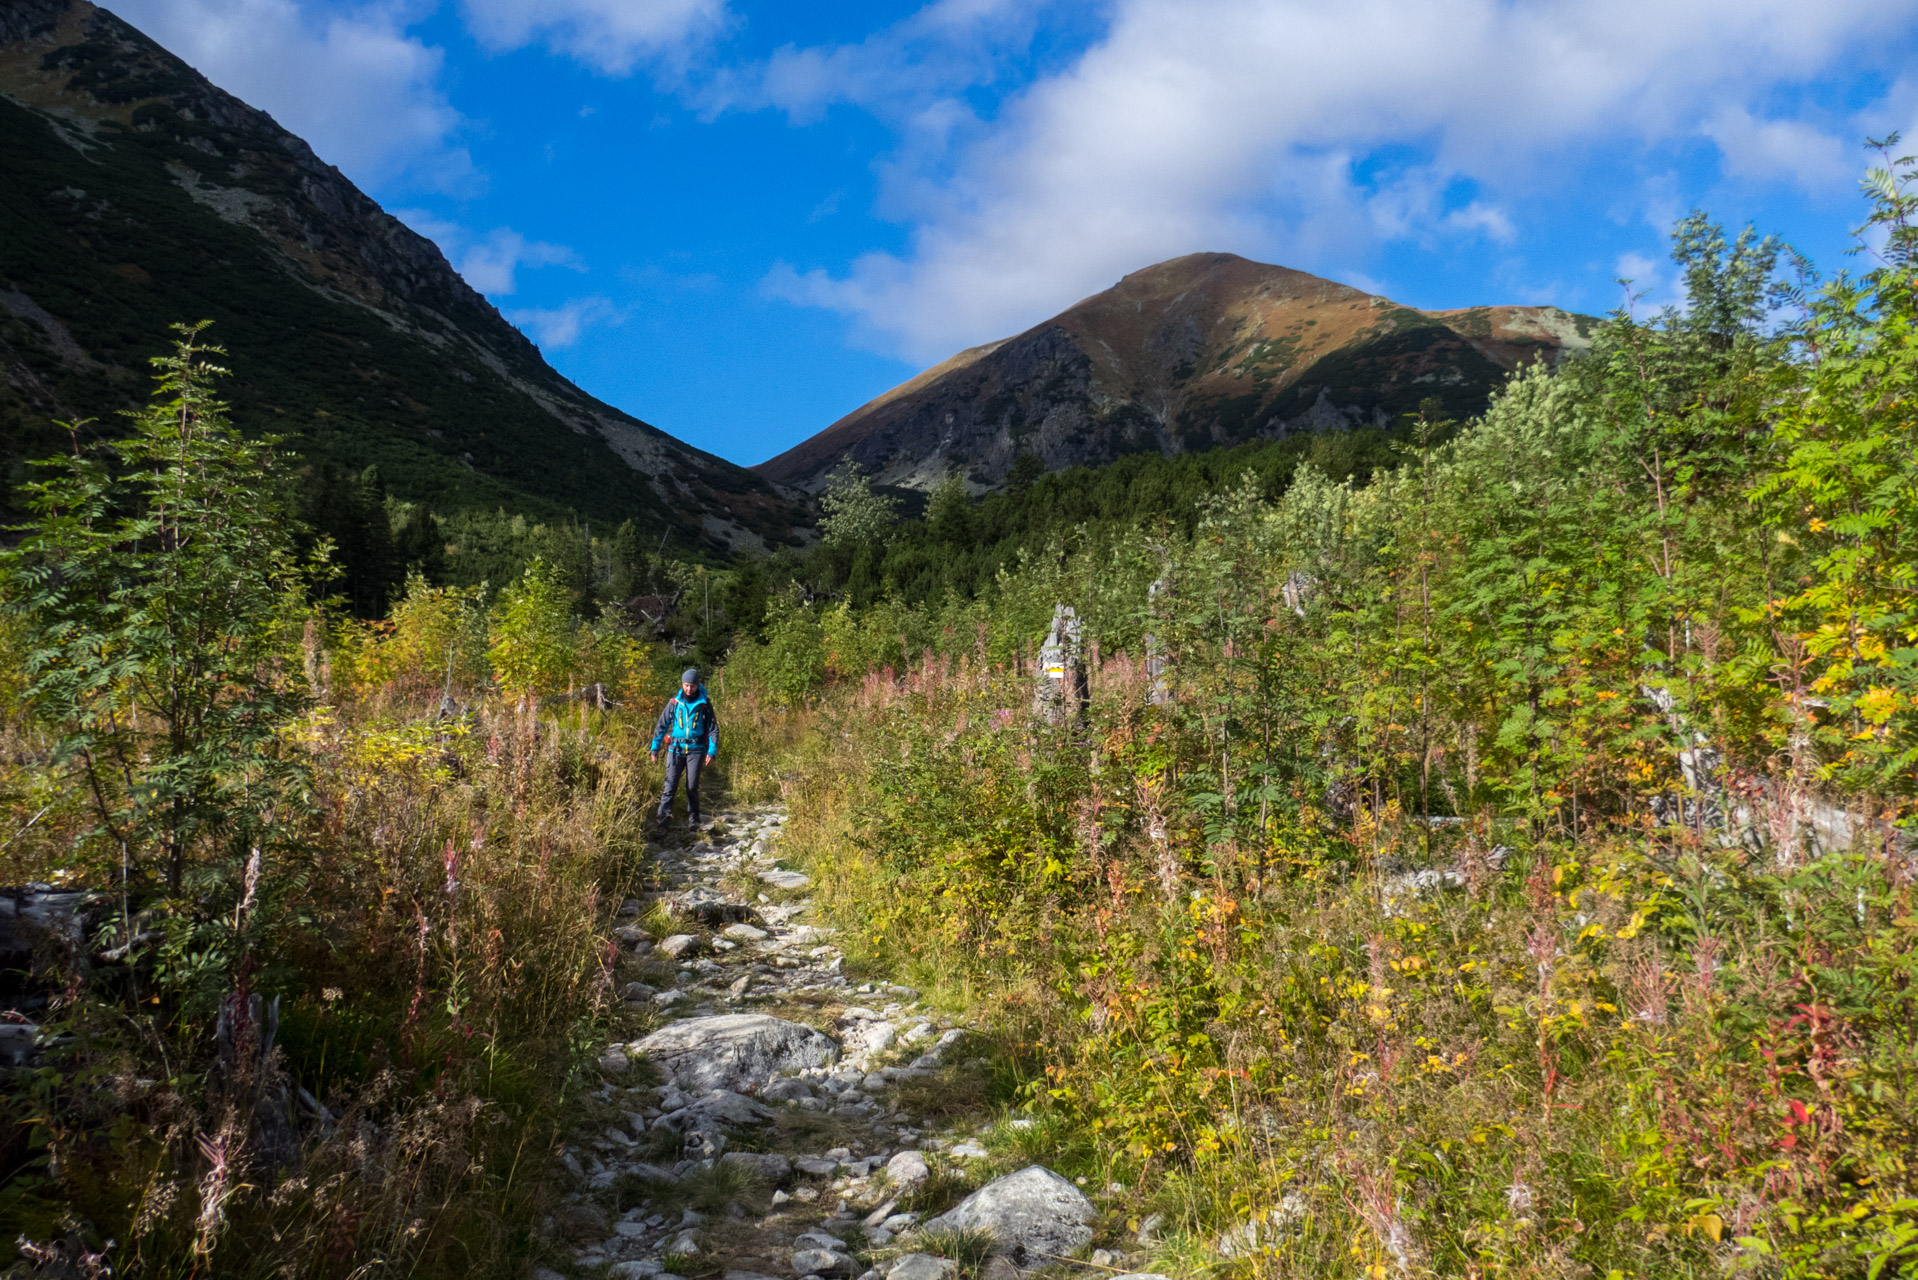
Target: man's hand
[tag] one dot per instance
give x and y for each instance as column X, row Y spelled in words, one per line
column 655, row 757
column 709, row 759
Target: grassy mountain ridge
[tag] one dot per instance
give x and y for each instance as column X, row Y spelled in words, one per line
column 142, row 195
column 1202, row 351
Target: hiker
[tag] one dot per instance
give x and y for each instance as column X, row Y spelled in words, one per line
column 690, row 731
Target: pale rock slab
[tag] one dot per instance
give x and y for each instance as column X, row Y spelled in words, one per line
column 1034, row 1216
column 921, row 1266
column 734, row 1051
column 907, row 1169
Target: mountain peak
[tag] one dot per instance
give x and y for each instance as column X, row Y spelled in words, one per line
column 146, row 195
column 1198, row 351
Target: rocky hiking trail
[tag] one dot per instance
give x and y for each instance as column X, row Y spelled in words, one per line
column 765, row 1128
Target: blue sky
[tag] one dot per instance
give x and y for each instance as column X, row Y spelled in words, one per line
column 741, row 220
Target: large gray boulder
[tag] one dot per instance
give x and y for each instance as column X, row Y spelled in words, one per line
column 1034, row 1216
column 734, row 1051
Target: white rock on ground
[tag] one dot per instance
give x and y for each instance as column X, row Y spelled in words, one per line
column 920, row 1266
column 1035, row 1216
column 823, row 1262
column 785, row 879
column 907, row 1169
column 734, row 1051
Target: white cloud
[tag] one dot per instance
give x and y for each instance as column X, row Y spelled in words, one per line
column 557, row 327
column 352, row 83
column 611, row 36
column 1238, row 124
column 1788, row 149
column 1489, row 220
column 490, row 263
column 908, row 72
column 489, row 266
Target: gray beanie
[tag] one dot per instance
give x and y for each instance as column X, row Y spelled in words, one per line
column 689, row 676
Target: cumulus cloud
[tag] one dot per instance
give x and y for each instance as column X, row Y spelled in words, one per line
column 911, row 72
column 489, row 262
column 1243, row 124
column 611, row 36
column 1789, row 149
column 555, row 328
column 352, row 82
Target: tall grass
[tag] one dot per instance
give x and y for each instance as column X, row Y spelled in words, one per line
column 1622, row 1053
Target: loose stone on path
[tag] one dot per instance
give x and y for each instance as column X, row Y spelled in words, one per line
column 676, row 1104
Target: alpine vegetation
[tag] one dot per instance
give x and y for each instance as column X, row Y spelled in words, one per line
column 1497, row 864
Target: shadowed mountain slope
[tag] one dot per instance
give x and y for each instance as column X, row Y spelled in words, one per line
column 1202, row 351
column 137, row 194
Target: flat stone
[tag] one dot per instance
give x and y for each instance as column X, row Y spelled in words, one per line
column 614, row 1062
column 819, row 1240
column 785, row 879
column 637, row 993
column 651, row 1172
column 744, row 933
column 679, row 945
column 735, row 1051
column 935, row 1055
column 907, row 1169
column 1033, row 1216
column 638, row 1269
column 786, row 1089
column 816, row 1166
column 715, row 1109
column 710, row 907
column 921, row 1266
column 823, row 1262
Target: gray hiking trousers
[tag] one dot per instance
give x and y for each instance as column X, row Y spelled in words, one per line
column 681, row 761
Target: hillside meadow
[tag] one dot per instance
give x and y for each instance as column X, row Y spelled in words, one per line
column 1491, row 860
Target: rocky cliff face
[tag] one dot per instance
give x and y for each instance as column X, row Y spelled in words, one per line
column 1205, row 350
column 139, row 195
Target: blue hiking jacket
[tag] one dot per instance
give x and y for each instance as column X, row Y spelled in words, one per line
column 686, row 724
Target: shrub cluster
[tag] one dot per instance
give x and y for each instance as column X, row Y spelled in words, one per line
column 1510, row 873
column 307, row 939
